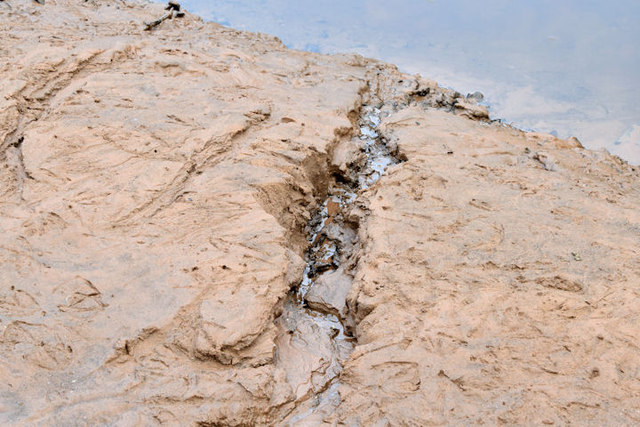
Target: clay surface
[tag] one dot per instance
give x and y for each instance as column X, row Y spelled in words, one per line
column 160, row 195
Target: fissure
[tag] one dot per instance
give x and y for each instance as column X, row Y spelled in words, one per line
column 316, row 333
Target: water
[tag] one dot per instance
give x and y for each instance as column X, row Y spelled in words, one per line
column 568, row 67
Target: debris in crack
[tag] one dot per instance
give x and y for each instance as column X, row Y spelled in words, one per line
column 315, row 339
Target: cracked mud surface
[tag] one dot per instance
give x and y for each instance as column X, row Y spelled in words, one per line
column 157, row 195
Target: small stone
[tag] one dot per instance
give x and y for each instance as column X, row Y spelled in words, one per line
column 333, row 208
column 478, row 96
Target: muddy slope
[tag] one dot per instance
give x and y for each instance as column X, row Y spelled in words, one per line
column 160, row 195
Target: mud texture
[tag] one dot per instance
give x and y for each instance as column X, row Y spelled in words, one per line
column 202, row 227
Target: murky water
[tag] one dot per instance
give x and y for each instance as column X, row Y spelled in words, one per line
column 568, row 67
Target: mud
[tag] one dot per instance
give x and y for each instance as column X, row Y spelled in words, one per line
column 202, row 227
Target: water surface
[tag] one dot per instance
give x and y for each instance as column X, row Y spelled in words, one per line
column 569, row 67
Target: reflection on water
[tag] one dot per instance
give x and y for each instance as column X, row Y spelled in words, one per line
column 568, row 67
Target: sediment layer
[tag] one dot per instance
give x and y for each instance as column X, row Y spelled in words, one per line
column 157, row 193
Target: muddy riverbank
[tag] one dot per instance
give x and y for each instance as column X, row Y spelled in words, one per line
column 203, row 227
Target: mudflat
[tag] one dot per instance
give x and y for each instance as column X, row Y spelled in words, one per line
column 203, row 227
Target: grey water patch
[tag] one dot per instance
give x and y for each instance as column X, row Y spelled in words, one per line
column 375, row 148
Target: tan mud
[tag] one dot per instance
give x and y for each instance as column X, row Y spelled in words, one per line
column 155, row 190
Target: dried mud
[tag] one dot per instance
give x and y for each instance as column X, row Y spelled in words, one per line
column 202, row 227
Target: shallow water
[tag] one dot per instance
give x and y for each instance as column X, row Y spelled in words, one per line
column 567, row 67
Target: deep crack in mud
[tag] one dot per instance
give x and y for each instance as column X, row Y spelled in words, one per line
column 315, row 330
